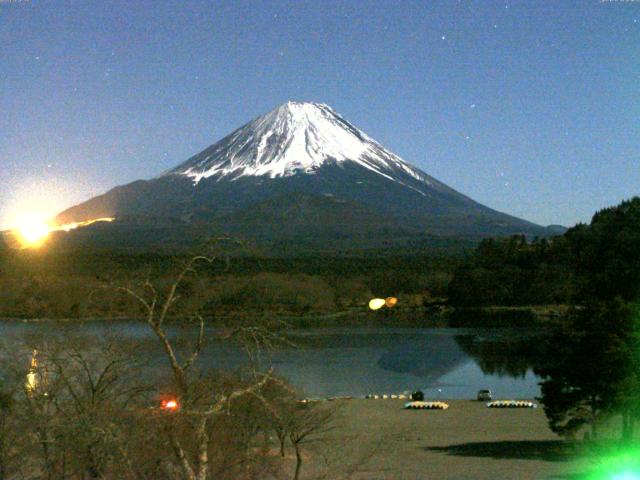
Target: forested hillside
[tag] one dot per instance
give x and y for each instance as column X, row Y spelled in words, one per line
column 588, row 263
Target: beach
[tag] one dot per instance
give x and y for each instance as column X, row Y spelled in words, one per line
column 378, row 439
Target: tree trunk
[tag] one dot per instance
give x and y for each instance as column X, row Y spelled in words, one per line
column 594, row 420
column 183, row 462
column 282, row 439
column 628, row 424
column 625, row 426
column 48, row 463
column 3, row 458
column 296, row 475
column 203, row 449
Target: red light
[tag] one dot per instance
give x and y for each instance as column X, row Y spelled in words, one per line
column 169, row 405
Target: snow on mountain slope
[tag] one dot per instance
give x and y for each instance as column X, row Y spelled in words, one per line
column 297, row 138
column 301, row 169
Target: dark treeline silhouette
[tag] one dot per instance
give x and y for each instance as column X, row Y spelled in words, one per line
column 588, row 360
column 590, row 368
column 513, row 272
column 595, row 262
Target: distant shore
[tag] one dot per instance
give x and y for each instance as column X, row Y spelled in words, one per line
column 424, row 317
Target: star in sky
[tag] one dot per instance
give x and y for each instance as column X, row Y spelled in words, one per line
column 325, row 71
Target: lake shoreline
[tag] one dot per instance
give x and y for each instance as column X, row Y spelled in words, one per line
column 430, row 317
column 332, row 361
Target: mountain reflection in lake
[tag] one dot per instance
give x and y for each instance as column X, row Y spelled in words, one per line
column 505, row 353
column 445, row 363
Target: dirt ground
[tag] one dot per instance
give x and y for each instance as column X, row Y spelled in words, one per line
column 378, row 439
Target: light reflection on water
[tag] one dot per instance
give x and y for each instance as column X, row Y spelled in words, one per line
column 443, row 362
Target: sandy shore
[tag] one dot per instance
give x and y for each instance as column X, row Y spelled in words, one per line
column 378, row 439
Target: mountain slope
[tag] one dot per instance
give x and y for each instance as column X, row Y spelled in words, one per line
column 302, row 152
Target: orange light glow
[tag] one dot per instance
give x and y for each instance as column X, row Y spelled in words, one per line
column 32, row 231
column 390, row 302
column 171, row 405
column 74, row 225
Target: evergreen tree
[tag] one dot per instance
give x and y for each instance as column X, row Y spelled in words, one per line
column 590, row 371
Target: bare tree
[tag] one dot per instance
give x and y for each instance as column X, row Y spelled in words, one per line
column 192, row 430
column 79, row 397
column 306, row 423
column 8, row 430
column 85, row 409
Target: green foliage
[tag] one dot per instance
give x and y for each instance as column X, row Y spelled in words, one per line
column 591, row 367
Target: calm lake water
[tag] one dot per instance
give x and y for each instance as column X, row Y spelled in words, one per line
column 443, row 362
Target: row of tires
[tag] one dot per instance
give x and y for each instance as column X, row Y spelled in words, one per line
column 424, row 405
column 400, row 396
column 511, row 404
column 418, row 405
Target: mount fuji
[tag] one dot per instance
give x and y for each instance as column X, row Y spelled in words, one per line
column 300, row 171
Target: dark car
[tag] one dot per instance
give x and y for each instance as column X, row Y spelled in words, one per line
column 484, row 395
column 417, row 396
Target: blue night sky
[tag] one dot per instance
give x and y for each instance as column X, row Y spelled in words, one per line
column 530, row 107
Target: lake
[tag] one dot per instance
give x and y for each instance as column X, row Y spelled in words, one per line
column 443, row 362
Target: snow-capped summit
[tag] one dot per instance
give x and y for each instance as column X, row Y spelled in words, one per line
column 296, row 137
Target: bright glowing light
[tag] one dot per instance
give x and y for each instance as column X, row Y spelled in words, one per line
column 171, row 405
column 31, row 231
column 376, row 303
column 621, row 463
column 626, row 476
column 32, row 380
